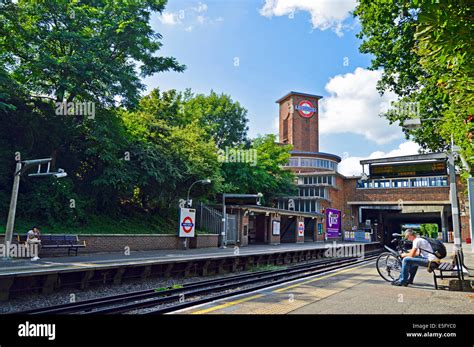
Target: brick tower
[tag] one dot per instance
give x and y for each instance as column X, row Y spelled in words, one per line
column 299, row 121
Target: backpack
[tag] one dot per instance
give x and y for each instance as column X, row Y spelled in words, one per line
column 439, row 250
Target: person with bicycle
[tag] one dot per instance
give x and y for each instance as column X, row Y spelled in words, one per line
column 421, row 254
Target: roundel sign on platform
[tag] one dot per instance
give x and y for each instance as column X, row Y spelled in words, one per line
column 186, row 222
column 300, row 228
column 306, row 108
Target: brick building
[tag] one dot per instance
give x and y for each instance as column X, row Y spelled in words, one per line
column 377, row 204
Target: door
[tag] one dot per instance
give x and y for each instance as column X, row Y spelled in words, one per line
column 231, row 228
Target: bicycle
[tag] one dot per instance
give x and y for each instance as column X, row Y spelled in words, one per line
column 389, row 264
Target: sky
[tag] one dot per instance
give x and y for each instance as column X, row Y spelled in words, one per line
column 257, row 51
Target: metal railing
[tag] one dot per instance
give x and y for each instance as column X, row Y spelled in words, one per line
column 208, row 219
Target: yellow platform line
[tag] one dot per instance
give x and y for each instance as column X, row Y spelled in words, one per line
column 317, row 279
column 236, row 302
column 227, row 304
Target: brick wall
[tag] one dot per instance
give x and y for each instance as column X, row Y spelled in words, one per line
column 137, row 242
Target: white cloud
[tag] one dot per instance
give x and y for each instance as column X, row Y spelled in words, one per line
column 354, row 106
column 201, row 7
column 325, row 14
column 189, row 17
column 169, row 18
column 350, row 166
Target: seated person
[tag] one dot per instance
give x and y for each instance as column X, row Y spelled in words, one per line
column 419, row 255
column 33, row 238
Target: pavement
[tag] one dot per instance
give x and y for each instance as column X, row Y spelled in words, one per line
column 354, row 290
column 47, row 264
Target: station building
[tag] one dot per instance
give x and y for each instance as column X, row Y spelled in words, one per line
column 412, row 189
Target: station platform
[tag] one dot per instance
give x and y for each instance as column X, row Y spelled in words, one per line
column 45, row 265
column 48, row 274
column 354, row 290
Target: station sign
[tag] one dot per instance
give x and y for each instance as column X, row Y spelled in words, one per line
column 438, row 168
column 333, row 223
column 187, row 226
column 300, row 229
column 306, row 109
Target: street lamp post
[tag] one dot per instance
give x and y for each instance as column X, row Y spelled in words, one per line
column 206, row 181
column 189, row 203
column 415, row 123
column 21, row 168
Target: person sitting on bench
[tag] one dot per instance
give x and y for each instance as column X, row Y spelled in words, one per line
column 33, row 239
column 418, row 256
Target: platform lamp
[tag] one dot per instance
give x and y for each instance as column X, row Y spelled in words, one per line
column 21, row 168
column 205, row 181
column 415, row 123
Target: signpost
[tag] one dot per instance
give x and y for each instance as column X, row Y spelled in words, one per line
column 187, row 219
column 300, row 229
column 333, row 223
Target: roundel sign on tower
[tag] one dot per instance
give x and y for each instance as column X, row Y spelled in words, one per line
column 186, row 222
column 306, row 108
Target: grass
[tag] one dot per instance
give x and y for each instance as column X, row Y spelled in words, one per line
column 103, row 225
column 174, row 286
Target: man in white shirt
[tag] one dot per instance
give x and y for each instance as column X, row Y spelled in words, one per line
column 421, row 254
column 33, row 240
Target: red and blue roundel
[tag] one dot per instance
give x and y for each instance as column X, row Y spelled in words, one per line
column 187, row 224
column 306, row 109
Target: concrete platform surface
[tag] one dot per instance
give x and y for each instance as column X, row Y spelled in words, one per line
column 355, row 290
column 92, row 261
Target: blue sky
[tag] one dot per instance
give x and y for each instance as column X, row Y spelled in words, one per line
column 258, row 50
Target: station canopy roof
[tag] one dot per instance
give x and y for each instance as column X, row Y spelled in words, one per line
column 406, row 158
column 264, row 209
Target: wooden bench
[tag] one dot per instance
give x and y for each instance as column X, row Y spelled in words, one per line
column 454, row 266
column 71, row 242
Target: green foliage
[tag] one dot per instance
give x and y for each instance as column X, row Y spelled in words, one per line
column 267, row 176
column 429, row 230
column 224, row 120
column 425, row 49
column 82, row 49
column 130, row 164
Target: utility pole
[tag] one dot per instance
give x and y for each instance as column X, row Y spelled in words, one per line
column 13, row 203
column 454, row 198
column 21, row 168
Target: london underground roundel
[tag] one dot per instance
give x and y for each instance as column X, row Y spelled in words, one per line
column 306, row 109
column 187, row 224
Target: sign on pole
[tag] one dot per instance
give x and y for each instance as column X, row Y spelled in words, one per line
column 276, row 228
column 333, row 223
column 187, row 217
column 300, row 228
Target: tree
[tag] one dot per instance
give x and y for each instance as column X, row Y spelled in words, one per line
column 88, row 50
column 266, row 175
column 223, row 119
column 423, row 48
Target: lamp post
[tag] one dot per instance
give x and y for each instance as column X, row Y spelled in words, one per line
column 415, row 123
column 21, row 168
column 206, row 181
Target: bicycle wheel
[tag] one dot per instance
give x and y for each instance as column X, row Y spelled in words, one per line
column 388, row 266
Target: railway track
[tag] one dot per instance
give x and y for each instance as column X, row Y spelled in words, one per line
column 196, row 293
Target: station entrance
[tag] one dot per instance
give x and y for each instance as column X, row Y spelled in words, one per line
column 383, row 221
